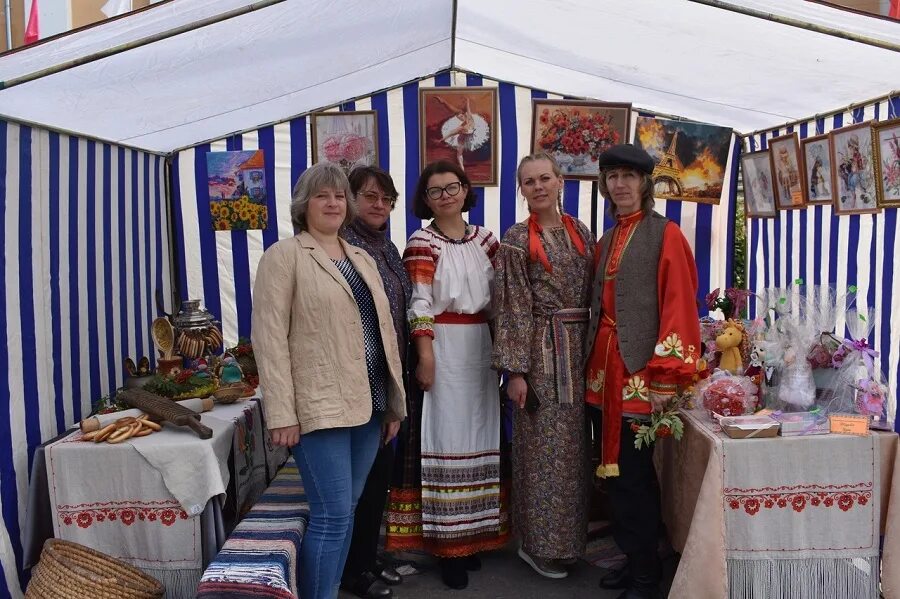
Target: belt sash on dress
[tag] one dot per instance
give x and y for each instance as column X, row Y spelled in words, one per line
column 557, row 354
column 460, row 318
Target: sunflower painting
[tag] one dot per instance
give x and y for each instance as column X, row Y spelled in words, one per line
column 237, row 190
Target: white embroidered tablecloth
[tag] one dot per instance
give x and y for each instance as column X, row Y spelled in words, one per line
column 792, row 517
column 140, row 500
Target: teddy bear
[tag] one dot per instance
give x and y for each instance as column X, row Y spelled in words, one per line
column 729, row 343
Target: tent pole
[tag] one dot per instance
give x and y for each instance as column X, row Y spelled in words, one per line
column 87, row 136
column 854, row 37
column 452, row 35
column 69, row 64
column 7, row 18
column 889, row 97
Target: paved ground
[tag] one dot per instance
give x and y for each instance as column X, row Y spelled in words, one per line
column 505, row 576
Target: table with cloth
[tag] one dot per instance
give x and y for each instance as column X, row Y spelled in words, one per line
column 796, row 516
column 163, row 503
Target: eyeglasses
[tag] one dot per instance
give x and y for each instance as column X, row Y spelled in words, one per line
column 451, row 190
column 373, row 198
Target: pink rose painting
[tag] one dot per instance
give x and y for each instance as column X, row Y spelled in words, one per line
column 348, row 139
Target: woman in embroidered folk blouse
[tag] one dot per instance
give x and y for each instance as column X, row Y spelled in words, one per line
column 457, row 511
column 541, row 295
column 643, row 341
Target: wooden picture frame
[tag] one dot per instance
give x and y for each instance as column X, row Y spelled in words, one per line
column 759, row 193
column 348, row 138
column 554, row 122
column 788, row 181
column 853, row 170
column 459, row 124
column 817, row 169
column 886, row 146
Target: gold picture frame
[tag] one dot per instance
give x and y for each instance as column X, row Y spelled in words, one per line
column 886, row 155
column 459, row 124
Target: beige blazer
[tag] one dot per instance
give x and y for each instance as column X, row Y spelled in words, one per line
column 308, row 338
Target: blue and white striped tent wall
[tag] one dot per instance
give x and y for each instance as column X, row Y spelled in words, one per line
column 86, row 237
column 220, row 267
column 819, row 247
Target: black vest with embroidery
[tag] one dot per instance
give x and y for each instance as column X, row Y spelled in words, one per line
column 637, row 296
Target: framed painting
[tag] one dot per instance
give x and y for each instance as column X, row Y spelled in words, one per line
column 237, row 190
column 459, row 124
column 347, row 139
column 759, row 194
column 886, row 138
column 576, row 132
column 691, row 158
column 853, row 170
column 787, row 172
column 817, row 169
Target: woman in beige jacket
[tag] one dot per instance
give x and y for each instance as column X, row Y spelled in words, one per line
column 329, row 367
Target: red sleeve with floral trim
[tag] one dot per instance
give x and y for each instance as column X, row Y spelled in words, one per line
column 420, row 261
column 678, row 347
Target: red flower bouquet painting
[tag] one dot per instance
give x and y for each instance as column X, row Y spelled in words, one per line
column 577, row 132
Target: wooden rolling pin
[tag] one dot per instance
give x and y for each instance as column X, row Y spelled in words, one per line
column 162, row 408
column 98, row 421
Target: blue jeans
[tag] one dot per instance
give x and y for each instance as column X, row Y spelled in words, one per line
column 334, row 464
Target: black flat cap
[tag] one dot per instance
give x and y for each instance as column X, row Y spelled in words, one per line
column 627, row 155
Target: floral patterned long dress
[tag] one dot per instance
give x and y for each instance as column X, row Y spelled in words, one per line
column 541, row 318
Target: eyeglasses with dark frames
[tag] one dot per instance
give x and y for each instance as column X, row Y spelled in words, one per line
column 374, row 198
column 451, row 190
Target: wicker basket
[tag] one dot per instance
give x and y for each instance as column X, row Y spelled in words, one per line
column 72, row 571
column 229, row 393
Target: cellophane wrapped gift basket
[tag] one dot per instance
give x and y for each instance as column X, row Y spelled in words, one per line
column 790, row 360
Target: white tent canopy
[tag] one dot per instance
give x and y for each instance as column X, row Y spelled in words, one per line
column 670, row 56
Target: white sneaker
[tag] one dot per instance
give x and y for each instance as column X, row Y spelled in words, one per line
column 542, row 566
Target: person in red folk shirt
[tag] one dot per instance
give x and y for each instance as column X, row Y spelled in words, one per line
column 642, row 343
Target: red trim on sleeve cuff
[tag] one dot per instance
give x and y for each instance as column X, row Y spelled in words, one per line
column 662, row 388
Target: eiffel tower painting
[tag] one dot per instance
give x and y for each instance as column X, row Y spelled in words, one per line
column 691, row 158
column 667, row 174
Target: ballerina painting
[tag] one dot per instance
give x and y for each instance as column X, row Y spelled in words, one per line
column 459, row 125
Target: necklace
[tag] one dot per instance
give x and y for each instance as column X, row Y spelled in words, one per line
column 437, row 230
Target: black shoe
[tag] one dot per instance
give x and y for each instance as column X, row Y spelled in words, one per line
column 644, row 571
column 453, row 572
column 367, row 586
column 472, row 562
column 632, row 593
column 616, row 579
column 387, row 574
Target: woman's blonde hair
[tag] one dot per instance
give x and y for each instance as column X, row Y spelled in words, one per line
column 553, row 165
column 323, row 175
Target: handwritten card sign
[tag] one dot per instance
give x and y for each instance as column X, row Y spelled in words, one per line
column 849, row 424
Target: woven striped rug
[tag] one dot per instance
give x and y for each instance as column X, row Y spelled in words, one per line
column 259, row 559
column 603, row 551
